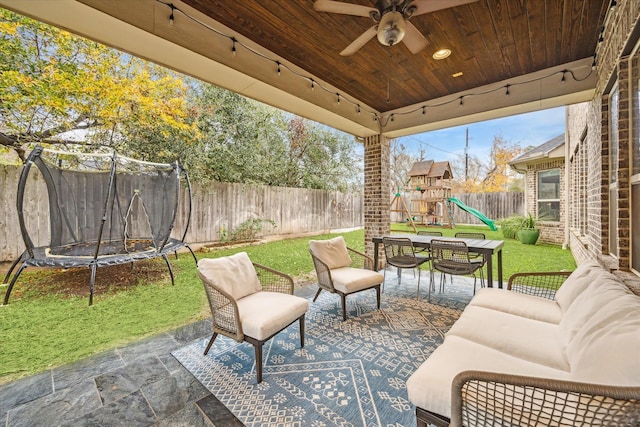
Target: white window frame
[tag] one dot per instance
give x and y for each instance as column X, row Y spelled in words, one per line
column 539, row 200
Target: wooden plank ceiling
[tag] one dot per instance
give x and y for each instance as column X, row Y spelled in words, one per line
column 491, row 41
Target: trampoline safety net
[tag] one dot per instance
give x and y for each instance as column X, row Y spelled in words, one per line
column 104, row 209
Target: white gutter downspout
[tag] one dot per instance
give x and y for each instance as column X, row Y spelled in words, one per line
column 567, row 175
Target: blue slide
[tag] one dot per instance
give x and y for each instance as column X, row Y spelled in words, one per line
column 474, row 212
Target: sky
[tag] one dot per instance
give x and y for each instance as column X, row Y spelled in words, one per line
column 529, row 129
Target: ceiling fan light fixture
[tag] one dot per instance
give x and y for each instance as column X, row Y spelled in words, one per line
column 391, row 28
column 441, row 54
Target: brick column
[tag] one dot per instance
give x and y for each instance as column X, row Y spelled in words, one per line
column 376, row 190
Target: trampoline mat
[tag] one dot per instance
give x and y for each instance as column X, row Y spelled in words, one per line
column 111, row 253
column 107, row 248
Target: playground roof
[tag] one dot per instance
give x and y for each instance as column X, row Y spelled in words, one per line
column 431, row 169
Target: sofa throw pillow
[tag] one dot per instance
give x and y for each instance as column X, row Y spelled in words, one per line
column 332, row 252
column 233, row 274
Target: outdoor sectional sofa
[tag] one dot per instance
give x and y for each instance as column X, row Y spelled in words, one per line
column 531, row 355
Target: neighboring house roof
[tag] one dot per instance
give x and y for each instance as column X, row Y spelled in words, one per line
column 431, row 169
column 554, row 148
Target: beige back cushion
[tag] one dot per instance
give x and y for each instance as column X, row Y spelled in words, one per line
column 607, row 349
column 332, row 252
column 576, row 283
column 233, row 274
column 603, row 290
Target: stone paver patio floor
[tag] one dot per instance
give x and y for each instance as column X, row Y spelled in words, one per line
column 140, row 384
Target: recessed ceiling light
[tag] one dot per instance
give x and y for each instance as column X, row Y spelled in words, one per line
column 441, row 54
column 458, row 74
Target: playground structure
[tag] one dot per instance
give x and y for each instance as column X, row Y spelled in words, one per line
column 430, row 199
column 429, row 188
column 104, row 209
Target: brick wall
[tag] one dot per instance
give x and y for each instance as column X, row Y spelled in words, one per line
column 376, row 190
column 593, row 119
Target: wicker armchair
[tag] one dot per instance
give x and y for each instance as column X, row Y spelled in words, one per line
column 342, row 270
column 250, row 302
column 486, row 398
column 544, row 284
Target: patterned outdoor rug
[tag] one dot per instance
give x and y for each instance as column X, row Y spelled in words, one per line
column 349, row 373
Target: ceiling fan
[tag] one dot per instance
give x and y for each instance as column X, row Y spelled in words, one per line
column 391, row 18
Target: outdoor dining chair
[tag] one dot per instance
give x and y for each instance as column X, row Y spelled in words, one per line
column 430, row 233
column 472, row 235
column 452, row 257
column 250, row 302
column 400, row 253
column 342, row 270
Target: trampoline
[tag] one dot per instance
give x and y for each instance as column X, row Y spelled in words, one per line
column 104, row 209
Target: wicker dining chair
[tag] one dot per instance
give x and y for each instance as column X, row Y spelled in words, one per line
column 250, row 302
column 430, row 233
column 452, row 257
column 400, row 253
column 473, row 235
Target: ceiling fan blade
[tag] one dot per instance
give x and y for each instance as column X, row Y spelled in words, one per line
column 360, row 41
column 413, row 39
column 426, row 6
column 343, row 8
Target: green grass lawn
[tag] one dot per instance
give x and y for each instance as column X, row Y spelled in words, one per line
column 41, row 330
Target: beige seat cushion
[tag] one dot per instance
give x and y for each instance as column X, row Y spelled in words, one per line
column 430, row 385
column 523, row 305
column 348, row 279
column 332, row 252
column 263, row 314
column 233, row 274
column 527, row 339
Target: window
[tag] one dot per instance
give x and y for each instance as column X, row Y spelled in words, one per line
column 549, row 195
column 578, row 194
column 613, row 170
column 635, row 165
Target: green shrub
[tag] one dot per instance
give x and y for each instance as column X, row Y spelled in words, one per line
column 510, row 226
column 249, row 229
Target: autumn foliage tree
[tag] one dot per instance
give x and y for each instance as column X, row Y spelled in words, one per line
column 489, row 176
column 52, row 82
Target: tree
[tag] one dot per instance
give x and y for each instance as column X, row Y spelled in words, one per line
column 52, row 81
column 494, row 176
column 499, row 174
column 401, row 161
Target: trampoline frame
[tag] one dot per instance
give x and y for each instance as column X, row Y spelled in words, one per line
column 40, row 256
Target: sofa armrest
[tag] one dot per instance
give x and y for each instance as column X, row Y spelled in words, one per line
column 273, row 280
column 360, row 260
column 488, row 398
column 543, row 284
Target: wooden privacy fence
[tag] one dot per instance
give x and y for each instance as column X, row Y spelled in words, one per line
column 218, row 209
column 495, row 206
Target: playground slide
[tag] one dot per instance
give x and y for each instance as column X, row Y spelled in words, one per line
column 474, row 212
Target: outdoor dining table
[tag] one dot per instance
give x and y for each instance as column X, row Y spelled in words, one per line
column 486, row 247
